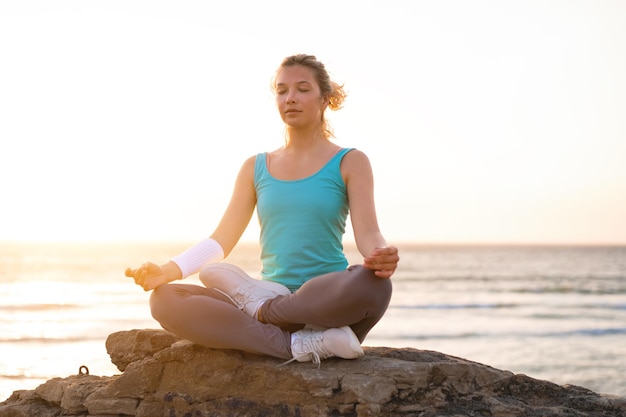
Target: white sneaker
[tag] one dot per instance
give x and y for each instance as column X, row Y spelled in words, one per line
column 314, row 345
column 244, row 291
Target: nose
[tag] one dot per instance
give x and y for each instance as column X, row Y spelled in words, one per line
column 291, row 97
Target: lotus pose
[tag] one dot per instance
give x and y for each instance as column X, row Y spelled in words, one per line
column 308, row 304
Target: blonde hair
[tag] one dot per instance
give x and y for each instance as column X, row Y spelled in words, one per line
column 329, row 89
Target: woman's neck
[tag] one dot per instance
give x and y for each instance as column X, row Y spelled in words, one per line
column 305, row 138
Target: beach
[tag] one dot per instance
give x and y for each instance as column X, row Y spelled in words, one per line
column 551, row 312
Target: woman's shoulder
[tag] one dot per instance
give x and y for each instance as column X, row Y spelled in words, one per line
column 249, row 161
column 355, row 162
column 355, row 156
column 248, row 166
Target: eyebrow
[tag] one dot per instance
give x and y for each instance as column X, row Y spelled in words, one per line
column 297, row 82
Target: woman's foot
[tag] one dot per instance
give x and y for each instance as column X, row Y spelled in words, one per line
column 314, row 345
column 244, row 291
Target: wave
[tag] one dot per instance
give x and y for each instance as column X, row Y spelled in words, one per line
column 587, row 332
column 24, row 376
column 39, row 307
column 495, row 306
column 464, row 306
column 593, row 332
column 535, row 284
column 569, row 290
column 53, row 340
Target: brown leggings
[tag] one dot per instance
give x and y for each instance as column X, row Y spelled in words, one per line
column 354, row 297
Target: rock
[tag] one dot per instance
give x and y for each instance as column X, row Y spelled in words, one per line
column 70, row 393
column 163, row 375
column 129, row 346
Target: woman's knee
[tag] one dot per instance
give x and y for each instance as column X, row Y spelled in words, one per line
column 373, row 287
column 161, row 302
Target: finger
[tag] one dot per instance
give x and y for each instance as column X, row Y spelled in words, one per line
column 138, row 281
column 132, row 273
column 381, row 263
column 151, row 268
column 382, row 258
column 383, row 273
column 383, row 254
column 149, row 285
column 391, row 258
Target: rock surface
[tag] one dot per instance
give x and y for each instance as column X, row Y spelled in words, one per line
column 163, row 375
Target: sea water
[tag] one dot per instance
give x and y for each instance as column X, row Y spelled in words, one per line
column 550, row 312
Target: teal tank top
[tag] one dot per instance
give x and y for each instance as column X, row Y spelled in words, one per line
column 302, row 223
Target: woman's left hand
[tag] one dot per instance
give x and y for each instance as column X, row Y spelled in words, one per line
column 383, row 261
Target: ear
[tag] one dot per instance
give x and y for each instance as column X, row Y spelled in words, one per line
column 325, row 102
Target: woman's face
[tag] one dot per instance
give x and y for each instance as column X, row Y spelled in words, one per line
column 298, row 97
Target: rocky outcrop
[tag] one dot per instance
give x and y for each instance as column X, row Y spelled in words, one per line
column 165, row 376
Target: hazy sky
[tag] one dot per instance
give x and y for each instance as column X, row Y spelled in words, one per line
column 485, row 121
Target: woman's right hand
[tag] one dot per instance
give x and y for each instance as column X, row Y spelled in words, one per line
column 150, row 276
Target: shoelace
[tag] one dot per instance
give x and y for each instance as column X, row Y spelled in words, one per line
column 315, row 358
column 241, row 297
column 236, row 299
column 314, row 348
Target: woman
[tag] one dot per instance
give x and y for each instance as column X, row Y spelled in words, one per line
column 308, row 305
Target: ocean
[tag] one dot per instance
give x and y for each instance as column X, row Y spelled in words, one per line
column 556, row 313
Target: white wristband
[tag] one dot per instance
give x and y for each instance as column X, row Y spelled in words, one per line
column 203, row 252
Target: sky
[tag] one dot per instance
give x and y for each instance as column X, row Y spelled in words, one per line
column 485, row 121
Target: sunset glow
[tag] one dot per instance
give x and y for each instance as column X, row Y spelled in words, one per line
column 484, row 121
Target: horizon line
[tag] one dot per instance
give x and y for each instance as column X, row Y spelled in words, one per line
column 347, row 243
